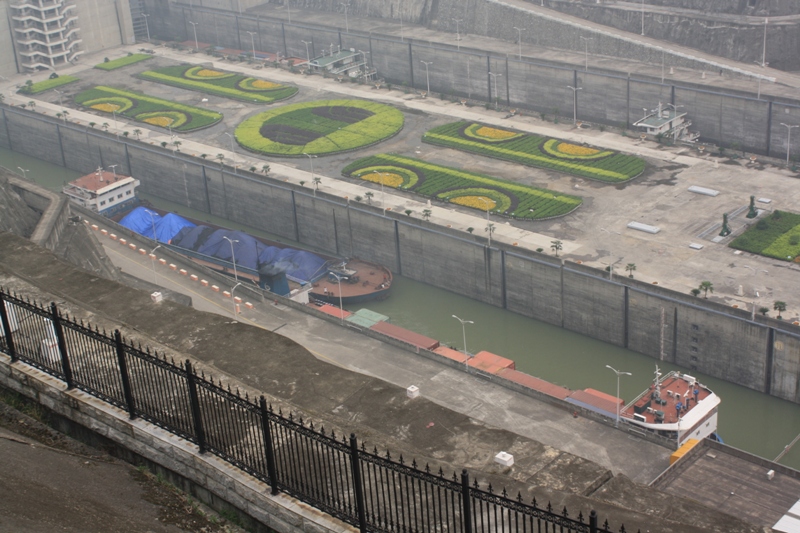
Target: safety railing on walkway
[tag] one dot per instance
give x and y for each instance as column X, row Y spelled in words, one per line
column 331, row 472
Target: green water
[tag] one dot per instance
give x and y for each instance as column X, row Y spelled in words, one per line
column 749, row 420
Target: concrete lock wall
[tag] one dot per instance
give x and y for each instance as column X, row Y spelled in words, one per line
column 732, row 119
column 697, row 334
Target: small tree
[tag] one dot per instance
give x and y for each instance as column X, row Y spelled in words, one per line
column 426, row 214
column 706, row 286
column 92, row 124
column 369, row 196
column 302, row 183
column 695, row 292
column 253, row 169
column 125, row 134
column 780, row 307
column 556, row 246
column 164, row 144
column 137, row 132
column 408, row 212
column 630, row 267
column 358, row 198
column 470, row 230
column 265, row 169
column 763, row 310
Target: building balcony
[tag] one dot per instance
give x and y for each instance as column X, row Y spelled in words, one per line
column 41, row 5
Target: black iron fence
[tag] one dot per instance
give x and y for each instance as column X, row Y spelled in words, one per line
column 331, row 472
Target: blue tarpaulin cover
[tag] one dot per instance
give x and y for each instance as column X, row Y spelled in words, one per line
column 144, row 221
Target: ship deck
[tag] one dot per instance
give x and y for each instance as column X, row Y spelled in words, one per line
column 673, row 390
column 370, row 279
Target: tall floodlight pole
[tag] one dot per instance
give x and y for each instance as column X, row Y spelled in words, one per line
column 458, row 34
column 789, row 139
column 346, row 24
column 586, row 54
column 253, row 42
column 24, row 173
column 496, row 97
column 311, row 161
column 308, row 55
column 233, row 301
column 194, row 28
column 642, row 17
column 146, row 25
column 233, row 150
column 519, row 40
column 427, row 79
column 341, row 307
column 764, row 46
column 618, row 373
column 574, row 102
column 153, row 259
column 464, row 336
column 233, row 257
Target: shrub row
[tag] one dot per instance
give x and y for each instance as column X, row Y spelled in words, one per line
column 232, row 86
column 123, row 61
column 40, row 87
column 777, row 235
column 446, row 183
column 148, row 107
column 528, row 150
column 332, row 135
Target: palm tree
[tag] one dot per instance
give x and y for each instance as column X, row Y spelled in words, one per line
column 137, row 132
column 316, row 181
column 780, row 307
column 489, row 229
column 556, row 246
column 369, row 196
column 31, row 104
column 105, row 126
column 265, row 169
column 630, row 267
column 426, row 214
column 221, row 158
column 65, row 114
column 176, row 144
column 706, row 286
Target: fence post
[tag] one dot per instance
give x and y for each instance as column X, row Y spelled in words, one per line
column 123, row 371
column 466, row 503
column 62, row 345
column 7, row 328
column 356, row 467
column 194, row 401
column 271, row 470
column 593, row 521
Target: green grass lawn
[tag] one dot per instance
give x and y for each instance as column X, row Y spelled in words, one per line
column 153, row 111
column 535, row 151
column 45, row 85
column 123, row 61
column 468, row 189
column 777, row 236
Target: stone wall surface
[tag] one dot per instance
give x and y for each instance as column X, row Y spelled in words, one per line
column 761, row 354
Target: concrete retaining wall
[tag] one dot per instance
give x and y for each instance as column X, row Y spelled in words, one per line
column 210, row 477
column 697, row 334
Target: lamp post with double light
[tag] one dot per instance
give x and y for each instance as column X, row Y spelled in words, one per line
column 153, row 259
column 574, row 102
column 464, row 337
column 618, row 373
column 341, row 307
column 427, row 78
column 233, row 257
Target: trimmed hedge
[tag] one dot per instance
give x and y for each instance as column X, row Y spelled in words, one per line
column 149, row 107
column 302, row 130
column 45, row 85
column 445, row 183
column 123, row 61
column 532, row 150
column 772, row 236
column 228, row 85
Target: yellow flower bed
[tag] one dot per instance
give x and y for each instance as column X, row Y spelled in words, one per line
column 159, row 121
column 390, row 179
column 574, row 149
column 208, row 73
column 261, row 84
column 108, row 108
column 477, row 202
column 494, row 133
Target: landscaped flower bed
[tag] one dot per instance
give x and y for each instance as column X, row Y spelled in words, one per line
column 777, row 235
column 320, row 127
column 463, row 188
column 535, row 151
column 220, row 83
column 123, row 61
column 42, row 86
column 153, row 111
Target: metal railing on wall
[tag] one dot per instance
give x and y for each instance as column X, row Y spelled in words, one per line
column 331, row 472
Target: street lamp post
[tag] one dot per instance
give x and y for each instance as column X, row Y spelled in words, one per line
column 487, row 204
column 233, row 301
column 346, row 24
column 60, row 98
column 233, row 257
column 341, row 307
column 464, row 336
column 383, row 194
column 494, row 78
column 194, row 28
column 458, row 34
column 519, row 40
column 153, row 259
column 232, row 150
column 642, row 17
column 427, row 79
column 618, row 373
column 146, row 25
column 586, row 54
column 764, row 47
column 574, row 102
column 311, row 161
column 789, row 139
column 24, row 172
column 755, row 292
column 253, row 42
column 308, row 55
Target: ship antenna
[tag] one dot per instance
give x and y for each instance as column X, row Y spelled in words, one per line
column 657, row 382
